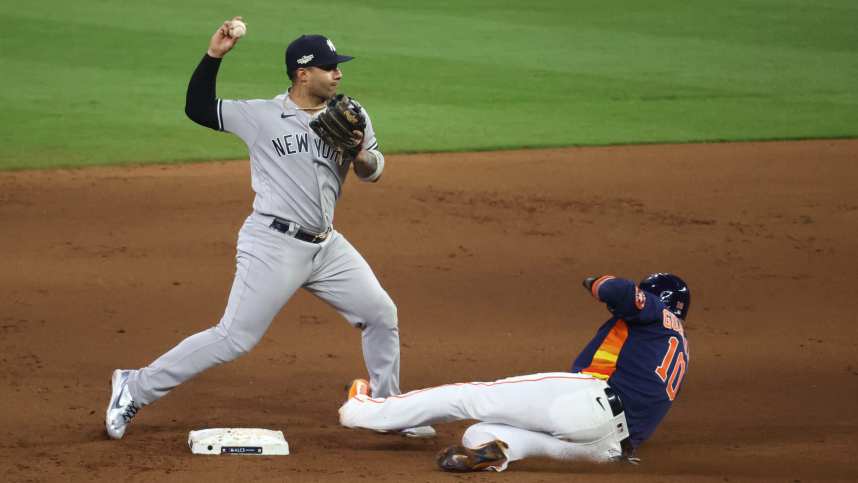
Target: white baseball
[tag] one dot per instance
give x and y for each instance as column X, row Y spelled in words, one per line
column 237, row 29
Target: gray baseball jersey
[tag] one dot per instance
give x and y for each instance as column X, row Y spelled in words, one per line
column 295, row 175
column 297, row 179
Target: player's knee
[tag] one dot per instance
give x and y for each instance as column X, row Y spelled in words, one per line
column 381, row 315
column 240, row 347
column 387, row 313
column 238, row 343
column 477, row 434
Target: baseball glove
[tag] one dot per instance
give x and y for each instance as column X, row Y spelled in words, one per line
column 337, row 123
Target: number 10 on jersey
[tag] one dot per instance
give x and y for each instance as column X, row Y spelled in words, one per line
column 672, row 385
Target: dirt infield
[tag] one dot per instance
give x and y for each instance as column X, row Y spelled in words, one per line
column 483, row 254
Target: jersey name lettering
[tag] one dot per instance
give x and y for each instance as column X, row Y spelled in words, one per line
column 327, row 152
column 672, row 322
column 291, row 144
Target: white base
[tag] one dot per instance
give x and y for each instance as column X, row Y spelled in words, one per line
column 253, row 441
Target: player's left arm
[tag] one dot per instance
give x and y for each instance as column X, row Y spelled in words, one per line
column 369, row 162
column 624, row 299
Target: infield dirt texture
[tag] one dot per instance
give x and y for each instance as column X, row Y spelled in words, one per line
column 483, row 252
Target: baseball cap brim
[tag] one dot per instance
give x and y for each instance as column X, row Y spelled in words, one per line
column 334, row 59
column 312, row 51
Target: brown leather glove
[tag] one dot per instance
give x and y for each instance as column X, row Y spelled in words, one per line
column 341, row 124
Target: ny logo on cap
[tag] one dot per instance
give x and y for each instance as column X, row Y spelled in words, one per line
column 331, row 46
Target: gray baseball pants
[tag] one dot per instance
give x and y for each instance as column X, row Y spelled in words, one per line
column 270, row 268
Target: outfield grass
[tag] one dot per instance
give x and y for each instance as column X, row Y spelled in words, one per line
column 96, row 82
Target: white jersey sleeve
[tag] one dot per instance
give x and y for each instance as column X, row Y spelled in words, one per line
column 239, row 117
column 370, row 143
column 369, row 139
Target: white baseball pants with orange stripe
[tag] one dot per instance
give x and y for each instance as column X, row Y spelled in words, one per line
column 558, row 415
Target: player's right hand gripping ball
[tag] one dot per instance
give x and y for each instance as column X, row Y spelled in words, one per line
column 237, row 28
column 337, row 122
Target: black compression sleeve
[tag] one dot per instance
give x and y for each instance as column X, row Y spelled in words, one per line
column 201, row 103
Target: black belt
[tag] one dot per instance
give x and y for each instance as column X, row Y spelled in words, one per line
column 614, row 400
column 283, row 227
column 617, row 408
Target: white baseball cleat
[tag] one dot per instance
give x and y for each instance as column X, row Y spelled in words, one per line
column 415, row 432
column 121, row 409
column 418, row 432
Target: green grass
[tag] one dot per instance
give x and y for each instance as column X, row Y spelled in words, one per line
column 95, row 81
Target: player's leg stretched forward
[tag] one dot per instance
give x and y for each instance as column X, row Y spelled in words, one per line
column 269, row 269
column 566, row 408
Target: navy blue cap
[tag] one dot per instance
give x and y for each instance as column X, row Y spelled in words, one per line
column 311, row 51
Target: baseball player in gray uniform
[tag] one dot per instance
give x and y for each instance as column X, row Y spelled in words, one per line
column 288, row 241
